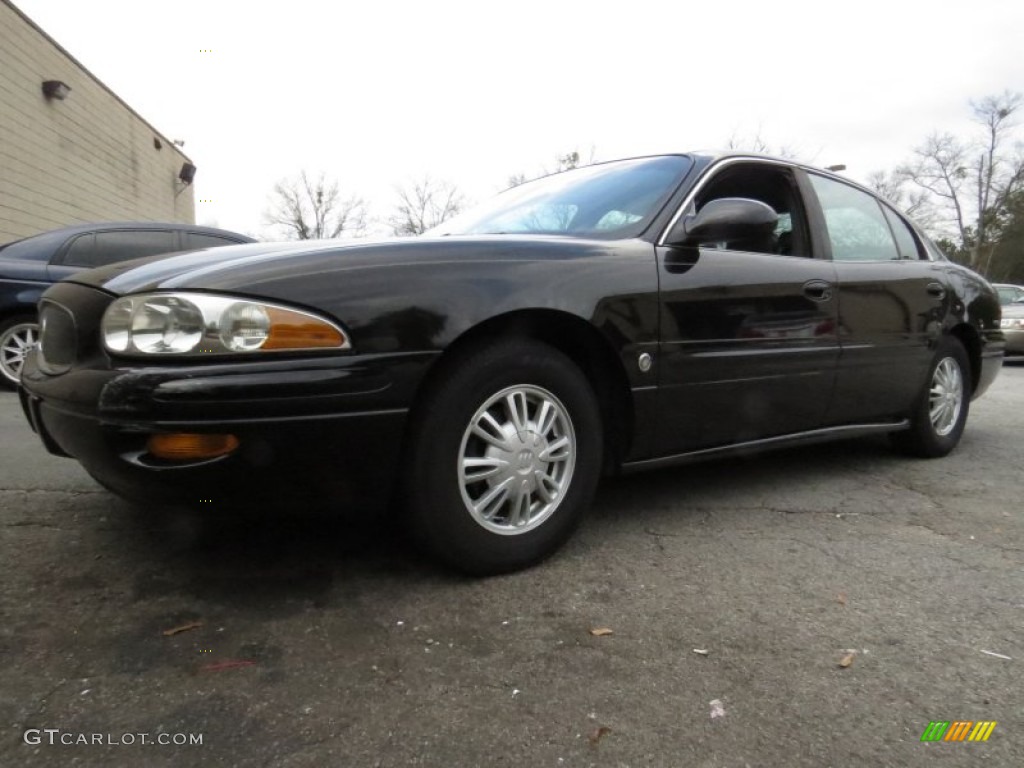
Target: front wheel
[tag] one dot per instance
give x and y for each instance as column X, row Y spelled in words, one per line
column 505, row 456
column 17, row 336
column 940, row 413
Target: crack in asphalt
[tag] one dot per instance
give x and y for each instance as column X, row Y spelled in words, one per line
column 46, row 699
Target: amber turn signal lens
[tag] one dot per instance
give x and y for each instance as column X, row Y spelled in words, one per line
column 183, row 446
column 294, row 330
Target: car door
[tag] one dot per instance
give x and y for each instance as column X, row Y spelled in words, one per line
column 748, row 343
column 892, row 299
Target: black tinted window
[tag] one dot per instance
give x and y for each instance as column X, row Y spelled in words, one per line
column 81, row 251
column 856, row 225
column 111, row 247
column 195, row 240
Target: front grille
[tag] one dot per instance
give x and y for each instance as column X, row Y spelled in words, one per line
column 57, row 339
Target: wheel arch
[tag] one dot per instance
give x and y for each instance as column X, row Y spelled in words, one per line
column 968, row 337
column 578, row 340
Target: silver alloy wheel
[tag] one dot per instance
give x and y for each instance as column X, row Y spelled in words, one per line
column 946, row 397
column 15, row 343
column 516, row 460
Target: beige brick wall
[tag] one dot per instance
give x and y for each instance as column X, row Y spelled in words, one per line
column 87, row 158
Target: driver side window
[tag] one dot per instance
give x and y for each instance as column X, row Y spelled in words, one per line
column 769, row 184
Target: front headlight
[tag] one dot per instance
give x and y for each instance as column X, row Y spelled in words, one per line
column 198, row 323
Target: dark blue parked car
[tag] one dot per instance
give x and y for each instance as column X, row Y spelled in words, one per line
column 30, row 266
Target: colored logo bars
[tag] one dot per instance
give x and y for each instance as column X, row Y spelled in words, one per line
column 958, row 730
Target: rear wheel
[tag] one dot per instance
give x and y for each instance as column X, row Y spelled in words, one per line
column 940, row 414
column 505, row 456
column 17, row 336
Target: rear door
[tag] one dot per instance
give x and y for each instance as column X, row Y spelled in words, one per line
column 892, row 299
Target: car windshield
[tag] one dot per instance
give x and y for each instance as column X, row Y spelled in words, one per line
column 616, row 199
column 28, row 248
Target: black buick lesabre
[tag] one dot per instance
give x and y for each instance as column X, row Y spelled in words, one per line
column 625, row 315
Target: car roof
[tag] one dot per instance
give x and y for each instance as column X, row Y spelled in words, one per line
column 51, row 240
column 103, row 226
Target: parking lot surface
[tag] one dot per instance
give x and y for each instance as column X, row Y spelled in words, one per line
column 810, row 607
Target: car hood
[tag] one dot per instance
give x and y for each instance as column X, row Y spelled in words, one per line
column 243, row 268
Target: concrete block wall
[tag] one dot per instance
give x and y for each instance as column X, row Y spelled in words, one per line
column 86, row 158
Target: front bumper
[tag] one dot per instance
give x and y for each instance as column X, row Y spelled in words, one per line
column 312, row 430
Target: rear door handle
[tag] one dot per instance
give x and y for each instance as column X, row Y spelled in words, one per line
column 818, row 290
column 936, row 290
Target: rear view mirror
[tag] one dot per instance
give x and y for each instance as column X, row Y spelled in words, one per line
column 728, row 218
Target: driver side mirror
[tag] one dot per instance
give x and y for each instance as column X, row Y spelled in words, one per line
column 722, row 220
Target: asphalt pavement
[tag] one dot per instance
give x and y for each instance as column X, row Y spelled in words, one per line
column 811, row 607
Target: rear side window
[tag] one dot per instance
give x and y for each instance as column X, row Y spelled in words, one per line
column 857, row 228
column 112, row 247
column 194, row 240
column 906, row 243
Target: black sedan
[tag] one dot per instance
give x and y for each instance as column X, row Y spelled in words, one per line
column 625, row 315
column 29, row 266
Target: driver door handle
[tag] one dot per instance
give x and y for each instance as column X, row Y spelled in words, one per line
column 818, row 290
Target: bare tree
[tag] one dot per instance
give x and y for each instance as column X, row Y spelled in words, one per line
column 313, row 209
column 757, row 144
column 894, row 187
column 515, row 180
column 572, row 159
column 568, row 161
column 565, row 162
column 423, row 205
column 971, row 182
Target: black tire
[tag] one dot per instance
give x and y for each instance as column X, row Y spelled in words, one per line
column 534, row 381
column 932, row 436
column 12, row 347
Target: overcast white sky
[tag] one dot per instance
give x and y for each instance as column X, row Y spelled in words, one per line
column 377, row 92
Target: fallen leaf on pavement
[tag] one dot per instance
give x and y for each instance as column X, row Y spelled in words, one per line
column 183, row 628
column 601, row 631
column 847, row 659
column 717, row 709
column 232, row 664
column 841, row 598
column 599, row 734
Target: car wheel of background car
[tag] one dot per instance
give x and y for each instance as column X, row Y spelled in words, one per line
column 941, row 412
column 505, row 455
column 17, row 336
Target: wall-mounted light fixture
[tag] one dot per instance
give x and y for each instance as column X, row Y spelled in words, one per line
column 187, row 173
column 55, row 89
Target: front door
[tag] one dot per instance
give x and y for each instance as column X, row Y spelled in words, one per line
column 748, row 331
